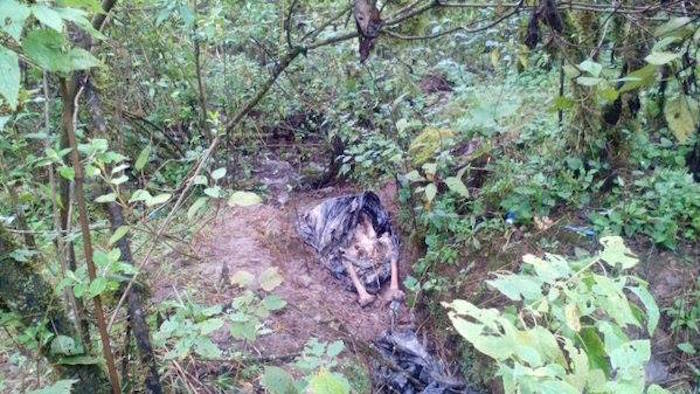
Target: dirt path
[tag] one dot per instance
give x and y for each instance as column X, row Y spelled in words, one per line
column 258, row 237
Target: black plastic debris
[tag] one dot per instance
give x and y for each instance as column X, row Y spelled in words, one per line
column 330, row 227
column 409, row 368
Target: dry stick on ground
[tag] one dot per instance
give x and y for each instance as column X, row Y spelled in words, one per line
column 87, row 246
column 282, row 65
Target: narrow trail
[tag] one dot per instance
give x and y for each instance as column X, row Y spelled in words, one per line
column 262, row 236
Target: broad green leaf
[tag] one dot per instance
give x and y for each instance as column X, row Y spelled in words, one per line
column 643, row 77
column 274, row 303
column 119, row 233
column 325, row 382
column 243, row 199
column 101, row 258
column 595, row 349
column 456, row 185
column 140, row 195
column 88, row 5
column 591, row 67
column 45, row 47
column 549, row 270
column 682, row 115
column 109, row 197
column 517, row 287
column 97, row 286
column 687, row 347
column 119, row 180
column 119, row 168
column 48, row 17
column 414, row 176
column 60, row 387
column 243, row 279
column 65, row 345
column 573, row 317
column 650, row 306
column 630, row 358
column 218, row 173
column 661, row 58
column 656, row 389
column 270, row 279
column 67, row 172
column 196, row 206
column 81, row 59
column 142, row 158
column 612, row 299
column 9, row 76
column 615, row 252
column 79, row 360
column 335, row 348
column 430, row 170
column 672, row 26
column 200, row 180
column 276, row 380
column 430, row 192
column 204, row 347
column 210, row 325
column 158, row 199
column 13, row 14
column 244, row 330
column 213, row 192
column 588, row 81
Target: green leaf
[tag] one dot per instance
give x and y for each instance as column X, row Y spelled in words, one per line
column 335, row 348
column 643, row 77
column 140, row 195
column 210, row 325
column 615, row 252
column 206, row 348
column 158, row 199
column 9, row 76
column 456, row 185
column 595, row 349
column 517, row 287
column 650, row 305
column 48, row 17
column 325, row 382
column 414, row 176
column 687, row 347
column 682, row 115
column 276, row 380
column 588, row 81
column 97, row 286
column 591, row 67
column 65, row 345
column 67, row 172
column 630, row 358
column 243, row 279
column 244, row 330
column 200, row 180
column 243, row 199
column 109, row 197
column 142, row 158
column 89, row 5
column 656, row 389
column 13, row 14
column 196, row 206
column 430, row 192
column 661, row 58
column 270, row 279
column 119, row 233
column 672, row 26
column 45, row 48
column 60, row 387
column 218, row 173
column 79, row 360
column 81, row 59
column 213, row 192
column 273, row 302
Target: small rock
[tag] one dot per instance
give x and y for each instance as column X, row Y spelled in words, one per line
column 304, row 280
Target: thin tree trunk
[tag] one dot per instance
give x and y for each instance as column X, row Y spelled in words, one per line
column 25, row 292
column 137, row 321
column 87, row 240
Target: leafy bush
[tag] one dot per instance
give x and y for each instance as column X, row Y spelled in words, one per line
column 570, row 330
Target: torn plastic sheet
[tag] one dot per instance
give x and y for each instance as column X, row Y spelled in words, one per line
column 417, row 372
column 331, row 228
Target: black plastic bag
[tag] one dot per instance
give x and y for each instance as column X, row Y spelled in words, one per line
column 329, row 228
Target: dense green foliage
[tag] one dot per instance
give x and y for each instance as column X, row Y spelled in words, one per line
column 509, row 129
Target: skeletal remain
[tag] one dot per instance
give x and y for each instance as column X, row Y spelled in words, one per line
column 366, row 251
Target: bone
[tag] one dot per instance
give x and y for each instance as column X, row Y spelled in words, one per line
column 364, row 298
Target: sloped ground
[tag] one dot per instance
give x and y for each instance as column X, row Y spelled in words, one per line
column 258, row 237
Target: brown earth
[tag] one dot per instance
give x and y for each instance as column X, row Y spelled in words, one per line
column 262, row 236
